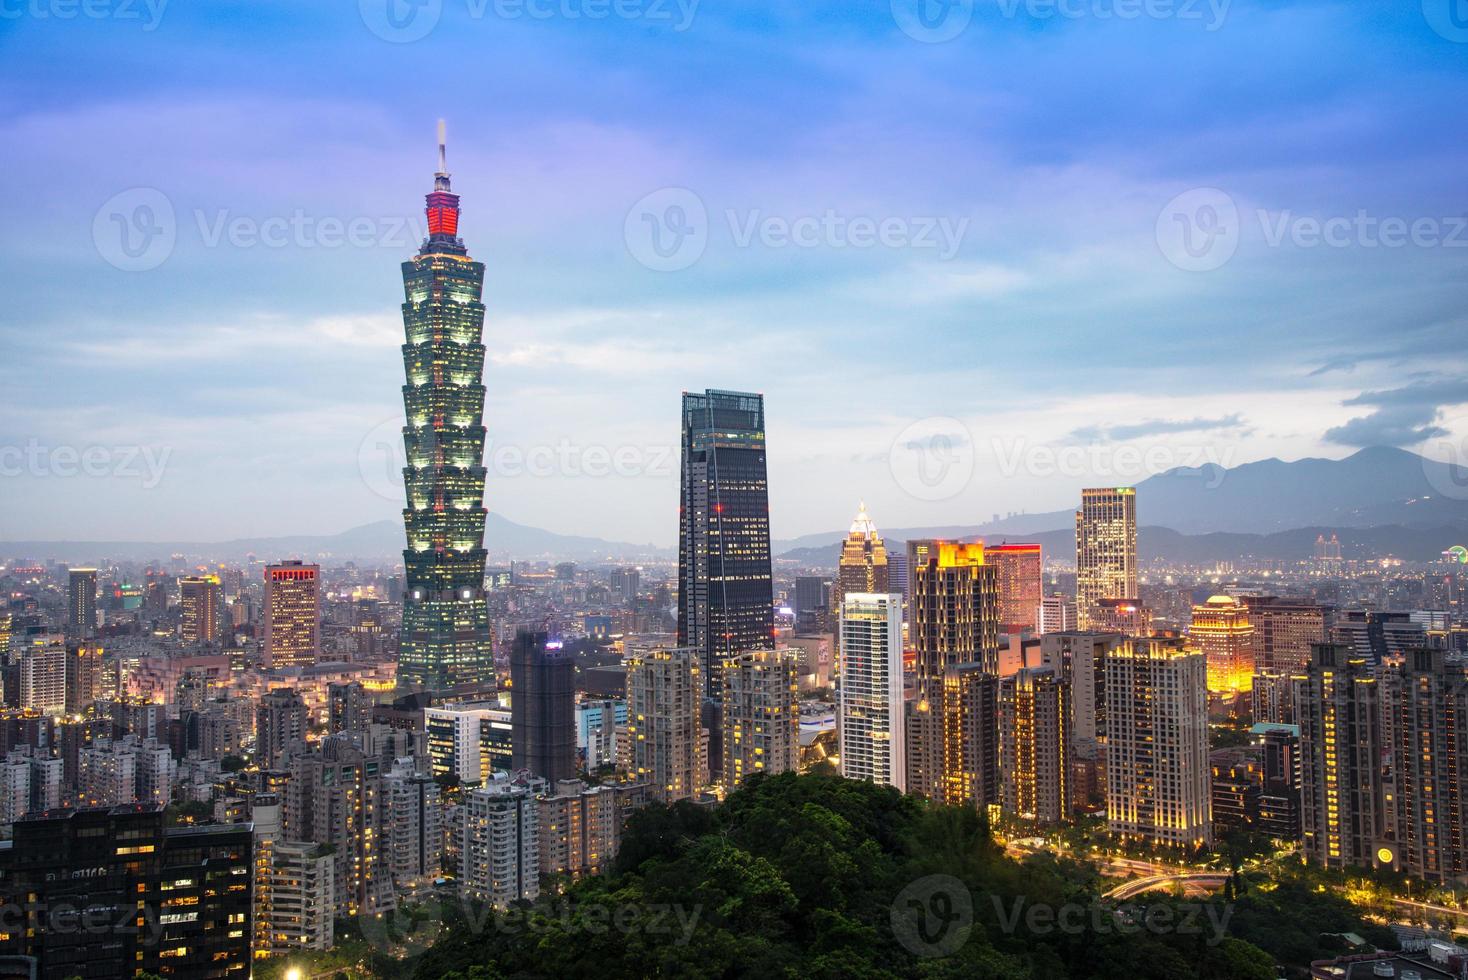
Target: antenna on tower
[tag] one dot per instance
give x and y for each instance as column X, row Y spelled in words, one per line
column 442, row 151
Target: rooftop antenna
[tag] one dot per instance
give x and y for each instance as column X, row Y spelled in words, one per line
column 442, row 142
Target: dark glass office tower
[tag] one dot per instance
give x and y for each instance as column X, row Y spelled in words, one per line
column 542, row 707
column 446, row 639
column 725, row 595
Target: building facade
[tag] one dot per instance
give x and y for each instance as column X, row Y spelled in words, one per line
column 1106, row 551
column 725, row 591
column 292, row 614
column 869, row 692
column 445, row 643
column 760, row 717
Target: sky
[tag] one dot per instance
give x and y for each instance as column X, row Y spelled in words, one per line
column 976, row 254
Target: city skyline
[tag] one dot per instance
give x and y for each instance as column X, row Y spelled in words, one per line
column 234, row 361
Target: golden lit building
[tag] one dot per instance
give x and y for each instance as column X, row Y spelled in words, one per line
column 292, row 614
column 863, row 563
column 1426, row 708
column 1342, row 810
column 760, row 717
column 1222, row 631
column 1157, row 777
column 1034, row 745
column 199, row 597
column 954, row 603
column 1106, row 550
column 1021, row 584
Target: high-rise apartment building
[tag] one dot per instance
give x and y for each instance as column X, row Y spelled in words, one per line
column 1034, row 745
column 1106, row 551
column 1342, row 810
column 280, row 719
column 500, row 850
column 869, row 693
column 85, row 675
column 761, row 717
column 542, row 707
column 292, row 614
column 580, row 827
column 665, row 740
column 446, row 643
column 81, row 602
column 415, row 826
column 953, row 602
column 1222, row 631
column 1057, row 614
column 1285, row 630
column 1157, row 775
column 725, row 592
column 1427, row 710
column 336, row 796
column 199, row 602
column 1020, row 571
column 43, row 673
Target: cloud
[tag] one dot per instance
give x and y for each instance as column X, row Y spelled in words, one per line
column 1402, row 417
column 1155, row 427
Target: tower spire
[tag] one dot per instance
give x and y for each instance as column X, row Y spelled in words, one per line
column 443, row 169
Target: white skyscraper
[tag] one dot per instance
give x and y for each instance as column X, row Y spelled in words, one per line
column 869, row 693
column 43, row 674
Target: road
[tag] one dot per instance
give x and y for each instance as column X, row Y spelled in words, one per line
column 1131, row 889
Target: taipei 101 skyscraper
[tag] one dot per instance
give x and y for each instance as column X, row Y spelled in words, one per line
column 446, row 643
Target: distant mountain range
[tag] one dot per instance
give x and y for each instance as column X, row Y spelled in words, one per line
column 376, row 542
column 1379, row 501
column 1374, row 488
column 1162, row 543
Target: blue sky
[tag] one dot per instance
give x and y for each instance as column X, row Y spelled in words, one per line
column 1115, row 236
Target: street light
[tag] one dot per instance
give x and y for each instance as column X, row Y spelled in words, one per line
column 294, row 973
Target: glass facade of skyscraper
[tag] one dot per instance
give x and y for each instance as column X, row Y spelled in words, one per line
column 446, row 642
column 725, row 595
